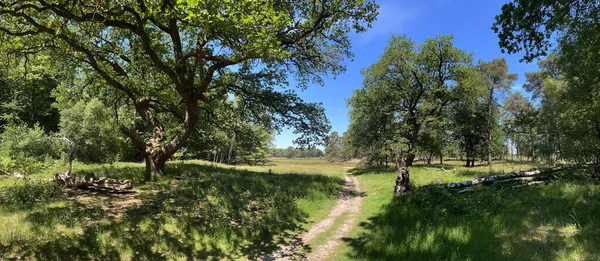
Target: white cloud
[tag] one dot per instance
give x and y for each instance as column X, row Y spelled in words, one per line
column 392, row 17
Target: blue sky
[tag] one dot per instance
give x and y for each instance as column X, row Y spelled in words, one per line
column 470, row 22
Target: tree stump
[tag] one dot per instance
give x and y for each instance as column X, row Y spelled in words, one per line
column 402, row 181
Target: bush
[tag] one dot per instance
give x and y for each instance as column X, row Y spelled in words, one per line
column 90, row 125
column 26, row 149
column 28, row 193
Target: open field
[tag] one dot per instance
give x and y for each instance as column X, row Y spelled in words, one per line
column 212, row 212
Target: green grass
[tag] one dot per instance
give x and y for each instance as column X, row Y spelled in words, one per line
column 220, row 212
column 215, row 212
column 558, row 221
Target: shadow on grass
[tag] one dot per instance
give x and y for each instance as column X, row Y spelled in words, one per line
column 556, row 221
column 208, row 213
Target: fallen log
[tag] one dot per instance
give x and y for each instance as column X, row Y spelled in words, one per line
column 518, row 179
column 488, row 179
column 90, row 181
column 529, row 184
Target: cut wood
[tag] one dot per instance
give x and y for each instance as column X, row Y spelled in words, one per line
column 518, row 179
column 90, row 181
column 488, row 179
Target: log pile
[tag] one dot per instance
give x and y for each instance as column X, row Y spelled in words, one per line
column 90, row 181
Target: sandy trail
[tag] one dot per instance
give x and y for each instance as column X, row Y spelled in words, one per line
column 350, row 203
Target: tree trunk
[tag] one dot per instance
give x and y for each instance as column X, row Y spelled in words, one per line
column 403, row 176
column 155, row 151
column 231, row 149
column 429, row 159
column 442, row 160
column 155, row 167
column 489, row 128
column 473, row 163
column 468, row 162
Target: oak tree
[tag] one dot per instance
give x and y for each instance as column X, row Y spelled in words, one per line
column 170, row 57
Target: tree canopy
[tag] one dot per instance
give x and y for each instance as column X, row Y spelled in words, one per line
column 409, row 87
column 165, row 59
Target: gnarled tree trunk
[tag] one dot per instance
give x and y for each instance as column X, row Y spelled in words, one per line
column 403, row 177
column 155, row 151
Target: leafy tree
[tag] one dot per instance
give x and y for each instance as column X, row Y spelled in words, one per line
column 171, row 57
column 468, row 120
column 418, row 82
column 26, row 87
column 531, row 26
column 371, row 132
column 523, row 118
column 334, row 147
column 90, row 125
column 528, row 26
column 496, row 79
column 297, row 152
column 433, row 139
column 26, row 149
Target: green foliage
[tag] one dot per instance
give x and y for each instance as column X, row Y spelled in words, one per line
column 90, row 125
column 231, row 136
column 292, row 152
column 406, row 89
column 529, row 26
column 170, row 60
column 22, row 194
column 335, row 148
column 25, row 91
column 469, row 119
column 27, row 149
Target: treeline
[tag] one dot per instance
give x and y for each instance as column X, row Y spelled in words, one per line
column 292, row 152
column 555, row 124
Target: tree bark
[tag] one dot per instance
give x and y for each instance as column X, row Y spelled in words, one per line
column 155, row 151
column 489, row 128
column 155, row 167
column 403, row 177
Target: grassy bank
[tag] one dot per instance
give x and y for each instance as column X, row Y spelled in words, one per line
column 558, row 221
column 214, row 212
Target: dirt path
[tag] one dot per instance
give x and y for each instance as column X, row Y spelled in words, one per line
column 349, row 203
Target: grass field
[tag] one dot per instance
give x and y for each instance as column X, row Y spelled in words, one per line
column 214, row 212
column 558, row 221
column 220, row 212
